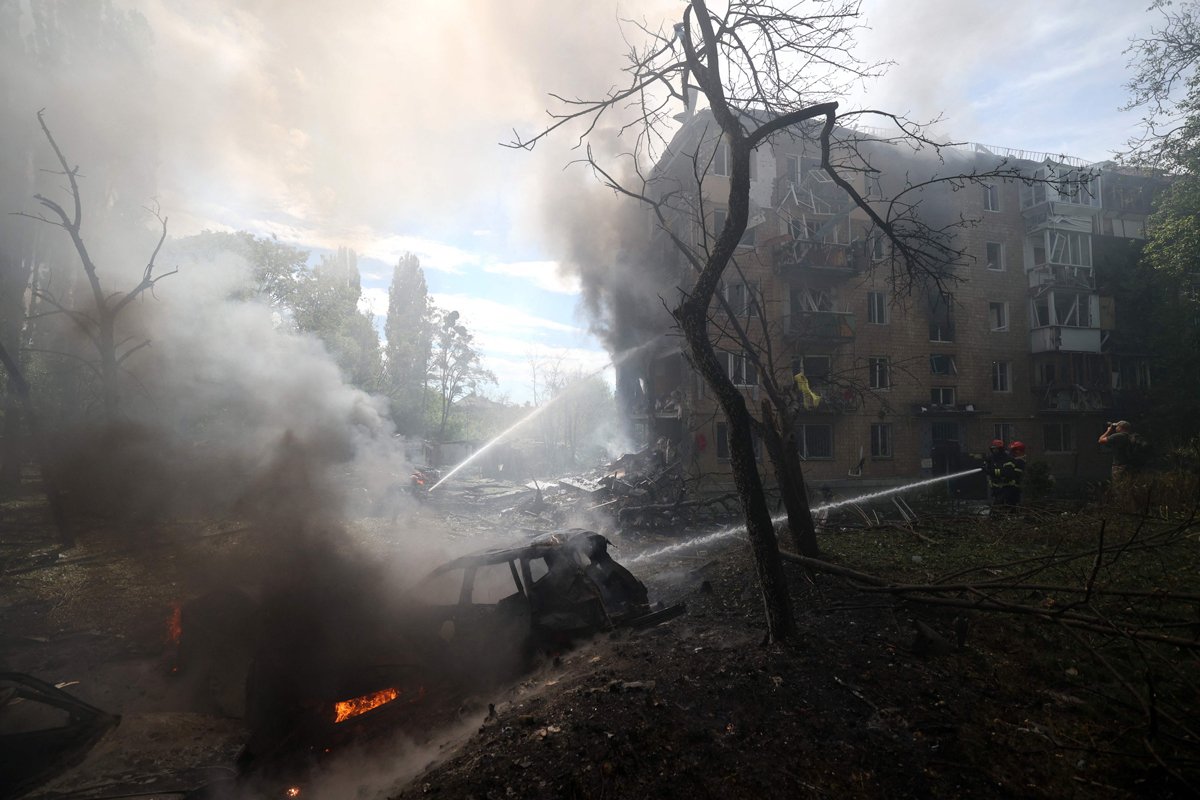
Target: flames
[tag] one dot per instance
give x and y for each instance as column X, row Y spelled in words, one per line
column 348, row 709
column 175, row 624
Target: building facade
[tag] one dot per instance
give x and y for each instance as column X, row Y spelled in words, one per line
column 1015, row 344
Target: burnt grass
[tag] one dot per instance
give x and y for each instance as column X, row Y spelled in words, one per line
column 858, row 704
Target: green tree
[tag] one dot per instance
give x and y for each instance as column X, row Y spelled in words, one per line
column 277, row 270
column 455, row 369
column 409, row 332
column 1166, row 286
column 326, row 305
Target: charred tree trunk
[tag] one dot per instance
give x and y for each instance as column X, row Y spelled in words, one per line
column 692, row 316
column 54, row 497
column 781, row 448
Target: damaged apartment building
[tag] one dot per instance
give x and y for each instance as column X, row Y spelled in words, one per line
column 886, row 387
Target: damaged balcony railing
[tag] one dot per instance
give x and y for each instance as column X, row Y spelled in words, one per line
column 826, row 325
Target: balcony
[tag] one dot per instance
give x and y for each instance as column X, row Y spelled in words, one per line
column 935, row 410
column 1064, row 339
column 833, row 400
column 1061, row 275
column 1072, row 397
column 835, row 259
column 828, row 326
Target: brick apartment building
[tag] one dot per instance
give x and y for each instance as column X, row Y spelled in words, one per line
column 1023, row 347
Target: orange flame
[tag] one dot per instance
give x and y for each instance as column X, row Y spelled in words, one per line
column 360, row 705
column 175, row 623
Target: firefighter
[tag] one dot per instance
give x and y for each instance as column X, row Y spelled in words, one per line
column 1012, row 474
column 993, row 468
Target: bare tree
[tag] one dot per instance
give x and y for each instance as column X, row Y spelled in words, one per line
column 98, row 323
column 767, row 71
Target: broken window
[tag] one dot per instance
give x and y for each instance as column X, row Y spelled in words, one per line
column 998, row 316
column 1041, row 311
column 815, row 441
column 941, row 317
column 994, row 255
column 791, row 169
column 1046, row 373
column 941, row 364
column 881, row 440
column 1073, row 249
column 1000, row 381
column 991, row 197
column 879, row 372
column 1058, row 437
column 942, row 396
column 1072, row 310
column 722, row 440
column 806, row 300
column 877, row 308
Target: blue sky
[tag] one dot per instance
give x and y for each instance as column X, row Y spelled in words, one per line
column 377, row 125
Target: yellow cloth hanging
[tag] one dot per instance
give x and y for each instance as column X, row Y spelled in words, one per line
column 811, row 398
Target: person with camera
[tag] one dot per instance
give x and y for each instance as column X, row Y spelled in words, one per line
column 1125, row 445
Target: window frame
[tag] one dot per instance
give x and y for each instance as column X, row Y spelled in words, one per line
column 1002, row 377
column 879, row 373
column 1066, row 430
column 749, row 305
column 945, row 334
column 802, row 441
column 882, row 448
column 951, row 364
column 998, row 262
column 721, row 159
column 879, row 299
column 991, row 197
column 1004, row 431
column 953, row 390
column 1005, row 323
column 740, row 367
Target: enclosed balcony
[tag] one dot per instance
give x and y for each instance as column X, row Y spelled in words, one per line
column 836, row 260
column 1064, row 339
column 829, row 326
column 1062, row 189
column 1073, row 397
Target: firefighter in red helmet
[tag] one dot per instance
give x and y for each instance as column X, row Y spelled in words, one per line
column 993, row 468
column 1012, row 474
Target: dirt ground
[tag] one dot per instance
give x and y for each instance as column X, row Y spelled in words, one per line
column 859, row 704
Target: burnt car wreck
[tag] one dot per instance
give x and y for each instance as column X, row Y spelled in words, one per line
column 330, row 659
column 472, row 624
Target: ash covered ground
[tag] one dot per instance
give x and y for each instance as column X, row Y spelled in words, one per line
column 863, row 703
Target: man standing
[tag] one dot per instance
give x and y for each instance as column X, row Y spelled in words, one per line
column 1012, row 474
column 1119, row 437
column 993, row 468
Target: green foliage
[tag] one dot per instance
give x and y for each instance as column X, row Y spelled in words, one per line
column 409, row 333
column 277, row 270
column 455, row 367
column 326, row 304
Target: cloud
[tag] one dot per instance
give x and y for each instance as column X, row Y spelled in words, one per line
column 545, row 275
column 374, row 300
column 483, row 315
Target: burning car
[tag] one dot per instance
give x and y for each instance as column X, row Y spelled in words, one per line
column 375, row 665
